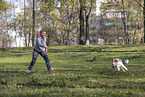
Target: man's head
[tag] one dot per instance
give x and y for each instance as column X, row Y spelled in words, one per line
column 43, row 33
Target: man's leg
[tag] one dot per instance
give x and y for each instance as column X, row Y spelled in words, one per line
column 45, row 57
column 34, row 58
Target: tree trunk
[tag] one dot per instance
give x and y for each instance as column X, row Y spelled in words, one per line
column 58, row 41
column 87, row 32
column 48, row 40
column 25, row 34
column 87, row 24
column 124, row 23
column 81, row 38
column 15, row 39
column 68, row 37
column 20, row 42
column 29, row 38
column 3, row 41
column 15, row 26
column 33, row 28
column 144, row 19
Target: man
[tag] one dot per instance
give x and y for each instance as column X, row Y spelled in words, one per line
column 40, row 48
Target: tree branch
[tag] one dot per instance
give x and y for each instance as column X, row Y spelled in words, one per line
column 139, row 3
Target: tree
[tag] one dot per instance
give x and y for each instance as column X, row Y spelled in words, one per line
column 33, row 27
column 109, row 22
column 5, row 33
column 67, row 20
column 81, row 17
column 25, row 34
column 135, row 21
column 85, row 12
column 87, row 15
column 124, row 20
column 5, row 15
column 48, row 13
column 60, row 19
column 130, row 18
column 141, row 4
column 4, row 6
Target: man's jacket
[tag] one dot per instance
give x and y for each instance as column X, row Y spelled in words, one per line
column 40, row 43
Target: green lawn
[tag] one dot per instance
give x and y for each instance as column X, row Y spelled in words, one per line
column 74, row 77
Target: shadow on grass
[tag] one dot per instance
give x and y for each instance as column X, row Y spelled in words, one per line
column 28, row 50
column 17, row 55
column 106, row 48
column 15, row 51
column 80, row 48
column 36, row 83
column 91, row 50
column 63, row 82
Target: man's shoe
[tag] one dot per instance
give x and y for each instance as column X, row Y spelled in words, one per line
column 27, row 71
column 51, row 70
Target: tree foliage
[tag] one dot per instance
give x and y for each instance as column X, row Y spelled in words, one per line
column 127, row 27
column 4, row 6
column 75, row 22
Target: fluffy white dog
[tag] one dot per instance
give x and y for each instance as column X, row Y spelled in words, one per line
column 118, row 63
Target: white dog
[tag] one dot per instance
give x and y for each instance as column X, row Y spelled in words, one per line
column 118, row 63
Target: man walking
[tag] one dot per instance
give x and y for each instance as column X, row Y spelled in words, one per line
column 40, row 48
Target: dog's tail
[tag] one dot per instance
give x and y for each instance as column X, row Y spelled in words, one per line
column 126, row 61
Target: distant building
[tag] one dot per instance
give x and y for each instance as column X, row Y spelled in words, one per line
column 112, row 15
column 105, row 17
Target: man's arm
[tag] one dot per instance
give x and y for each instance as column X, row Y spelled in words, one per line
column 44, row 43
column 41, row 44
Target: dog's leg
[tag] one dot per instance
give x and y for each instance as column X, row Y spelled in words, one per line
column 118, row 68
column 124, row 67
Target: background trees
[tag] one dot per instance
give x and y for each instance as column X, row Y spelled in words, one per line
column 141, row 3
column 86, row 7
column 5, row 37
column 125, row 18
column 70, row 22
column 4, row 6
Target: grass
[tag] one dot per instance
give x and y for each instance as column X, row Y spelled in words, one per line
column 74, row 77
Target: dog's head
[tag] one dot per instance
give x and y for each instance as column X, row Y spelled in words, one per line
column 114, row 62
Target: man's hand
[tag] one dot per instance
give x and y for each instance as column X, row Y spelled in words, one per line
column 46, row 50
column 46, row 47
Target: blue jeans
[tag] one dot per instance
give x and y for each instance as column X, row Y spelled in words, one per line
column 34, row 58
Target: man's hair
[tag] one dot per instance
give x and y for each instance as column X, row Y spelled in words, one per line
column 42, row 31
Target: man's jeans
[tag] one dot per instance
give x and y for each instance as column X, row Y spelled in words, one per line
column 35, row 55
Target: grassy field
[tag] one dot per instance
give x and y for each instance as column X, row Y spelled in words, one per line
column 74, row 77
